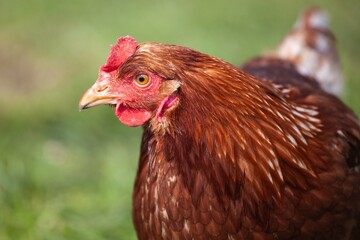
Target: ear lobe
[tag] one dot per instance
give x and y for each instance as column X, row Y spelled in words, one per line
column 119, row 53
column 169, row 87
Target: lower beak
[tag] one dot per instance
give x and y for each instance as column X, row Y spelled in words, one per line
column 97, row 95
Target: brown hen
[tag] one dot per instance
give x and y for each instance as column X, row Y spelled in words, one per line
column 258, row 153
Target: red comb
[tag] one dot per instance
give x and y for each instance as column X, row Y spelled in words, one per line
column 119, row 53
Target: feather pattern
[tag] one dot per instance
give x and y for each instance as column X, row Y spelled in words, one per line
column 243, row 158
column 257, row 152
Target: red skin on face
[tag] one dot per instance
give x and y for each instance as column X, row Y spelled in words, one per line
column 135, row 104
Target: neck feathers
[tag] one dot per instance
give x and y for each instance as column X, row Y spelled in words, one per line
column 239, row 135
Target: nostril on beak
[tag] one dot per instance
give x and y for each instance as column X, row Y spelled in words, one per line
column 101, row 88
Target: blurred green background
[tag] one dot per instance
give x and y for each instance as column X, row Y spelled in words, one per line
column 69, row 175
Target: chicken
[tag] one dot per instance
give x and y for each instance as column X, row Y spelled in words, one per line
column 310, row 46
column 261, row 152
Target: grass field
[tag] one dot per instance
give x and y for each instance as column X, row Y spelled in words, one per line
column 69, row 175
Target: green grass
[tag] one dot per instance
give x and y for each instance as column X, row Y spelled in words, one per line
column 69, row 175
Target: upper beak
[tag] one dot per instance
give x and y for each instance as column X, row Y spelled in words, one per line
column 98, row 94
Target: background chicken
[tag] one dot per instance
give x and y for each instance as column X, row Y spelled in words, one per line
column 262, row 153
column 311, row 48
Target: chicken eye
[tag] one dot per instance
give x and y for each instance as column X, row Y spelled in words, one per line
column 142, row 80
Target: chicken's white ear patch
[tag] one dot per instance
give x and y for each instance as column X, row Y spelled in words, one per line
column 169, row 86
column 119, row 53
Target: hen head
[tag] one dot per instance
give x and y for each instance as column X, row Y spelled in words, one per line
column 136, row 93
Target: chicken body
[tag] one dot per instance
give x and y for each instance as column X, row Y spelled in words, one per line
column 242, row 160
column 258, row 153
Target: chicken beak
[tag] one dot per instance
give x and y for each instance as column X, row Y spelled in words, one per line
column 98, row 94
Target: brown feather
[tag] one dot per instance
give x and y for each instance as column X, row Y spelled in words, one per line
column 261, row 152
column 244, row 157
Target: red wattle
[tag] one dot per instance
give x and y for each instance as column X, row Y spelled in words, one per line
column 132, row 117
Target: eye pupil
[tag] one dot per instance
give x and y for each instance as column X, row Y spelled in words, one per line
column 141, row 79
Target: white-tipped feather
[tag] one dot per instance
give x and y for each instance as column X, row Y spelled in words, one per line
column 311, row 47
